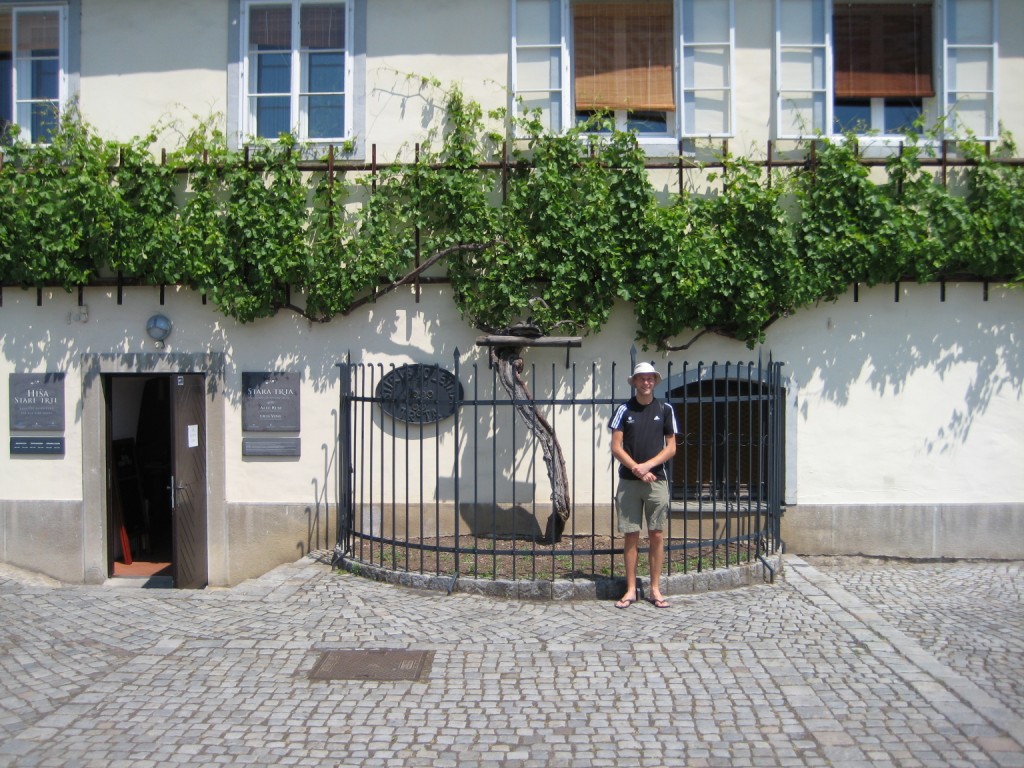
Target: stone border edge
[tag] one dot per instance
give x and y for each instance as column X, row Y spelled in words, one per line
column 763, row 571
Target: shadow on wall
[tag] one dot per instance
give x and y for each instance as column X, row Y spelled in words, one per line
column 500, row 522
column 886, row 343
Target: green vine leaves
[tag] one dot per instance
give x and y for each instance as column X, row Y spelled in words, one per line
column 556, row 232
column 58, row 208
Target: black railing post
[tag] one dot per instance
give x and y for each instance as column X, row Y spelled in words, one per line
column 455, row 468
column 342, row 547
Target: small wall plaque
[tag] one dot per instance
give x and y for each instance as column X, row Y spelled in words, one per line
column 419, row 393
column 37, row 401
column 271, row 446
column 270, row 402
column 37, row 446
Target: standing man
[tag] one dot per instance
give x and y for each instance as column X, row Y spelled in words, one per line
column 643, row 440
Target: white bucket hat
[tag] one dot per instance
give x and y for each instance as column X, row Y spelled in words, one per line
column 645, row 368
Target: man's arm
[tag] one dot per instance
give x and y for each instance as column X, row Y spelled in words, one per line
column 642, row 471
column 661, row 457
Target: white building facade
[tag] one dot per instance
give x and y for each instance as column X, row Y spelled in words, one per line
column 904, row 407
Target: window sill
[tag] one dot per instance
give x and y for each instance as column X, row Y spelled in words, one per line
column 659, row 146
column 668, row 146
column 874, row 146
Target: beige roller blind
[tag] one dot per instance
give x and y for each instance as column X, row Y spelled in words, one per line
column 623, row 55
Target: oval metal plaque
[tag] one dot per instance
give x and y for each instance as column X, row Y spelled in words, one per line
column 419, row 393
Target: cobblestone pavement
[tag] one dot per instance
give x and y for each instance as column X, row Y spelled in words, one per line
column 838, row 663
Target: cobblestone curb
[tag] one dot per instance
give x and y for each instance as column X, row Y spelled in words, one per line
column 599, row 588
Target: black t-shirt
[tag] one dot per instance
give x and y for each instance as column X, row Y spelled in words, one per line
column 644, row 429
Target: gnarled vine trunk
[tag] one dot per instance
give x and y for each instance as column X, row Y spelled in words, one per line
column 509, row 364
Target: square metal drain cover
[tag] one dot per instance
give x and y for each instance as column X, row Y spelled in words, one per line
column 386, row 664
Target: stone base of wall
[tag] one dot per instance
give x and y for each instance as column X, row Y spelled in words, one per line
column 46, row 537
column 925, row 531
column 50, row 538
column 263, row 536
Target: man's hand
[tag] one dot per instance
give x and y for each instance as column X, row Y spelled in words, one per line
column 640, row 472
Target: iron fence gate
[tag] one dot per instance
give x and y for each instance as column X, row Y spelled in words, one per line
column 440, row 472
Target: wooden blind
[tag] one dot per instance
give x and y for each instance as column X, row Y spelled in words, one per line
column 323, row 26
column 6, row 30
column 270, row 27
column 882, row 50
column 623, row 55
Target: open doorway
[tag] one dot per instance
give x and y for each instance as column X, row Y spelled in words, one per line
column 157, row 484
column 140, row 459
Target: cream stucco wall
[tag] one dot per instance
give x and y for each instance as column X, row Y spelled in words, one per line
column 452, row 41
column 1010, row 72
column 145, row 63
column 133, row 80
column 915, row 401
column 754, row 68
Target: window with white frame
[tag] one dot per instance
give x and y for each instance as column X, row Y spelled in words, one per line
column 661, row 67
column 32, row 69
column 296, row 70
column 707, row 31
column 540, row 65
column 970, row 57
column 801, row 68
column 873, row 67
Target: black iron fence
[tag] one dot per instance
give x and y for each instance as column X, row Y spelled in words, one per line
column 443, row 473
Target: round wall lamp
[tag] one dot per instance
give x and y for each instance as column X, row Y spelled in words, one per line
column 158, row 328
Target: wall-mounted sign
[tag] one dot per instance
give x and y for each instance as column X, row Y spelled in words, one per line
column 271, row 446
column 37, row 401
column 270, row 402
column 37, row 446
column 419, row 393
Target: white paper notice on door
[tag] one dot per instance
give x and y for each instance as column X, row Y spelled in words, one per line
column 193, row 435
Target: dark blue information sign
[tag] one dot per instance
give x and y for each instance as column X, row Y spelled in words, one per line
column 37, row 402
column 270, row 401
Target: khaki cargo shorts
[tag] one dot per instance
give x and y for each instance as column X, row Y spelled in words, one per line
column 635, row 499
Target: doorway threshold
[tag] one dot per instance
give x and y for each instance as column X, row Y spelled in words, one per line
column 144, row 574
column 141, row 582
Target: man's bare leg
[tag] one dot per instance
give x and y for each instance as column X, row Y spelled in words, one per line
column 656, row 541
column 630, row 549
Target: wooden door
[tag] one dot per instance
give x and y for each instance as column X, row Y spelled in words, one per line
column 188, row 480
